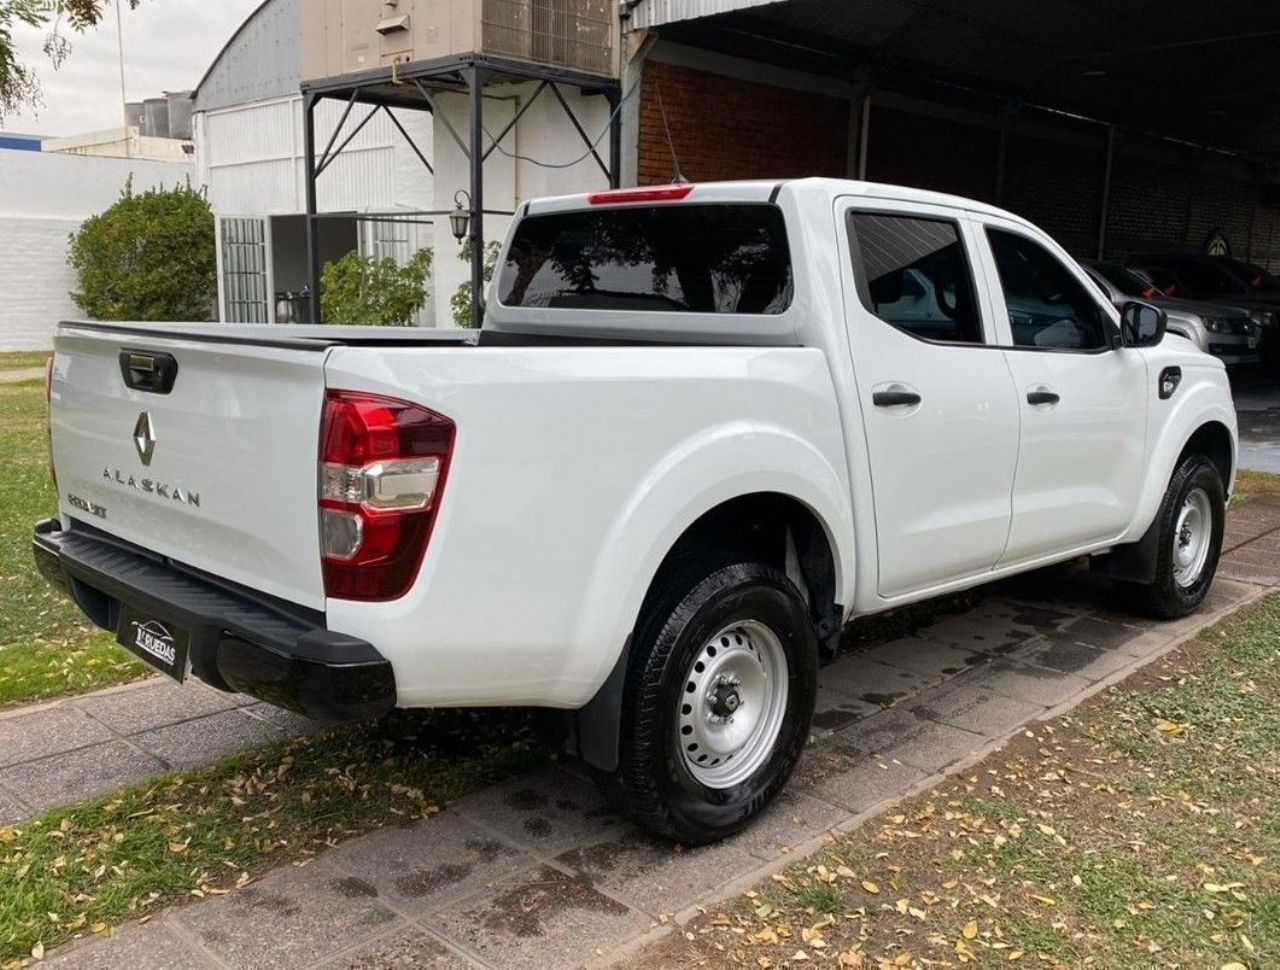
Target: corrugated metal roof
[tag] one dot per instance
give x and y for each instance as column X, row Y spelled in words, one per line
column 259, row 62
column 651, row 13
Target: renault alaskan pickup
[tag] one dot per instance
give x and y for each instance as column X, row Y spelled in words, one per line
column 701, row 428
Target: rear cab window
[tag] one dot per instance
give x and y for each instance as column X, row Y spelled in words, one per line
column 704, row 258
column 913, row 274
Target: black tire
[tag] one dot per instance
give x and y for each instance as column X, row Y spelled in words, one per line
column 1165, row 597
column 653, row 783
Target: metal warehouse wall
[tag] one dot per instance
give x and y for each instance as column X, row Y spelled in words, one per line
column 251, row 156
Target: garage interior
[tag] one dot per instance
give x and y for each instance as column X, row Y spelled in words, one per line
column 1117, row 126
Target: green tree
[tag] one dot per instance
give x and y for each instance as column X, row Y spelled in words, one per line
column 460, row 301
column 19, row 86
column 362, row 290
column 148, row 257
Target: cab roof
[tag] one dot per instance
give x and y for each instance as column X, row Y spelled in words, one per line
column 759, row 190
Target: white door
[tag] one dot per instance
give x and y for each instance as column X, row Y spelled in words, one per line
column 938, row 405
column 1083, row 399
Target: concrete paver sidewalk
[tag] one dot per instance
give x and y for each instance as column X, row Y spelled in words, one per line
column 536, row 872
column 72, row 749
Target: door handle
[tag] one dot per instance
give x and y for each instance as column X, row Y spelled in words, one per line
column 893, row 399
column 148, row 370
column 1042, row 395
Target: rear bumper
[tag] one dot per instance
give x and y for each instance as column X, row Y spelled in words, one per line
column 240, row 641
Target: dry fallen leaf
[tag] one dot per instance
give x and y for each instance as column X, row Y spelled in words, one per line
column 870, row 887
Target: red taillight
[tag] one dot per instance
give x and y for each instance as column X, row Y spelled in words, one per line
column 661, row 193
column 48, row 418
column 1149, row 292
column 382, row 467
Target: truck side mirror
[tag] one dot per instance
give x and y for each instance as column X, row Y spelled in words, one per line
column 1141, row 324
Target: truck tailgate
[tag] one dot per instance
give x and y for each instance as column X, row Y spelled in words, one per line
column 219, row 473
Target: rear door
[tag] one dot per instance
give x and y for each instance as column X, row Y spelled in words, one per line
column 937, row 403
column 1083, row 400
column 218, row 472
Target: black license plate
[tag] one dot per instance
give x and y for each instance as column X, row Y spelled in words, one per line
column 158, row 642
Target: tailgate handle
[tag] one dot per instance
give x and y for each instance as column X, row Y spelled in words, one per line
column 148, row 370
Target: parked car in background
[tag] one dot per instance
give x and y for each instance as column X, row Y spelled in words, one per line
column 1254, row 276
column 1226, row 332
column 1194, row 276
column 701, row 427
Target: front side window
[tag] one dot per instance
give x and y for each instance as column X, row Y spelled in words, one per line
column 691, row 258
column 916, row 276
column 1048, row 306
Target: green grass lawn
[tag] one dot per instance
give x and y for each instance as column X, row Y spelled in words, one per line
column 1141, row 831
column 23, row 359
column 46, row 646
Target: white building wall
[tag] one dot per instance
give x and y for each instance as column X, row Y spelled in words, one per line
column 43, row 199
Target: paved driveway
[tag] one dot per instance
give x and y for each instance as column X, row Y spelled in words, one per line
column 536, row 872
column 1257, row 400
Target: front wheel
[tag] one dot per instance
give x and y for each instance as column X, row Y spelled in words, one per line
column 1191, row 521
column 718, row 701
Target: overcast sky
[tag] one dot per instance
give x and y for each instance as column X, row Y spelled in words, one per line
column 168, row 45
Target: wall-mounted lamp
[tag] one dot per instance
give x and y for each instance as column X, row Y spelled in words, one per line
column 460, row 217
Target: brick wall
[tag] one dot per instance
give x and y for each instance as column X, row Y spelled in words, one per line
column 1162, row 196
column 928, row 152
column 1058, row 186
column 726, row 128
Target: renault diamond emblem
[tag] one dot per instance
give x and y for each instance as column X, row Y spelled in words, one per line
column 144, row 438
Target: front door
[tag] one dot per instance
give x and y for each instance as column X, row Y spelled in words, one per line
column 937, row 403
column 1083, row 400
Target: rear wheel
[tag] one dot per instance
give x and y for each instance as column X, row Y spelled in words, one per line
column 718, row 701
column 1191, row 521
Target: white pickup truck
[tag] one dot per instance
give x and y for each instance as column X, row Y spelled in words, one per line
column 701, row 428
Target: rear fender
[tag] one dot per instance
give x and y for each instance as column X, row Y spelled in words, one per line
column 655, row 516
column 694, row 478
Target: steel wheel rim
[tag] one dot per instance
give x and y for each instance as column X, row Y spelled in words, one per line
column 732, row 707
column 1192, row 537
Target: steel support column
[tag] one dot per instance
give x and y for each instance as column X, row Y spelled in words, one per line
column 615, row 141
column 313, row 244
column 1106, row 192
column 476, row 79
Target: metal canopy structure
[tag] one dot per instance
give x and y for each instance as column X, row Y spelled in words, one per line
column 1202, row 71
column 415, row 86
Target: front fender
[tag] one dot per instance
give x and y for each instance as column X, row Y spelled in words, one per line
column 707, row 469
column 1204, row 397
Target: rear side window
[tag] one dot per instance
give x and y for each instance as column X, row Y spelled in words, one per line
column 916, row 276
column 719, row 258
